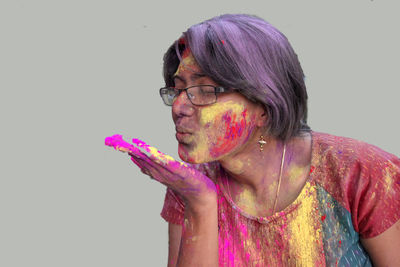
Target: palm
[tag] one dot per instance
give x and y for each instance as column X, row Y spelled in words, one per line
column 190, row 183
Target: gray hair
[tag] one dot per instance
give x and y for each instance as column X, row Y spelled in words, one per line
column 247, row 53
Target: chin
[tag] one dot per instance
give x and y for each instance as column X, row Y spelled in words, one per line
column 185, row 156
column 189, row 155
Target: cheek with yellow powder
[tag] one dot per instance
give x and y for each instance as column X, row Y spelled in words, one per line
column 223, row 127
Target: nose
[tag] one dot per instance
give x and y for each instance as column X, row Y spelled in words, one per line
column 182, row 106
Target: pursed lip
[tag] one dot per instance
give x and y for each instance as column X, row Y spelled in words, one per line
column 183, row 135
column 182, row 130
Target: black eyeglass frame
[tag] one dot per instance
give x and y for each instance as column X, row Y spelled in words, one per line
column 217, row 90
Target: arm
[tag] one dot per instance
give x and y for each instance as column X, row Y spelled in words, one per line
column 199, row 244
column 384, row 249
column 174, row 235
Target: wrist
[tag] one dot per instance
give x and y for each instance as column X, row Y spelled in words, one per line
column 202, row 207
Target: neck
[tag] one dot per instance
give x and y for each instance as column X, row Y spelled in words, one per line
column 258, row 171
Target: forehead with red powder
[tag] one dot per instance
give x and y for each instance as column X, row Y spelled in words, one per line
column 188, row 62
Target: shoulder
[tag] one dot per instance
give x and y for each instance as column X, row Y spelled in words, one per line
column 345, row 159
column 362, row 177
column 345, row 152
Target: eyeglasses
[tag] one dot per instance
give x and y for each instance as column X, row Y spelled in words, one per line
column 199, row 95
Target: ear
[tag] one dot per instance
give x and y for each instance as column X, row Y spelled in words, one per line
column 262, row 116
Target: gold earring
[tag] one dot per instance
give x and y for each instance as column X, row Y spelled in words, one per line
column 261, row 142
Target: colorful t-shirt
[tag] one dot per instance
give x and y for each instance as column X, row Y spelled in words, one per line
column 353, row 191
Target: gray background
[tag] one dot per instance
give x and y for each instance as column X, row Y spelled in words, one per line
column 73, row 72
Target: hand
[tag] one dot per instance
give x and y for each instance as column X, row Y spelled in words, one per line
column 195, row 188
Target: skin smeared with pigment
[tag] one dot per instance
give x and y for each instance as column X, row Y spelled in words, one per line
column 172, row 173
column 246, row 200
column 223, row 127
column 232, row 117
column 294, row 174
column 187, row 63
column 118, row 143
column 164, row 158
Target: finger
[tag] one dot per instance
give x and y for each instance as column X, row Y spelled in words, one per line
column 165, row 174
column 155, row 155
column 161, row 168
column 141, row 150
column 152, row 152
column 140, row 165
column 135, row 161
column 118, row 143
column 156, row 171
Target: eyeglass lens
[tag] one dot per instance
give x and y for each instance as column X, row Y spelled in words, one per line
column 198, row 95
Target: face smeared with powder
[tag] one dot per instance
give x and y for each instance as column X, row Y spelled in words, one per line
column 215, row 130
column 188, row 63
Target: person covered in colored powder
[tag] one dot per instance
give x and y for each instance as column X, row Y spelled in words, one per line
column 257, row 186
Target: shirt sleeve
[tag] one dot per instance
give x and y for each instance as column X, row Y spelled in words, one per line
column 375, row 201
column 174, row 208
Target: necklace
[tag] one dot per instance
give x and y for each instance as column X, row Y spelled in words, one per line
column 279, row 180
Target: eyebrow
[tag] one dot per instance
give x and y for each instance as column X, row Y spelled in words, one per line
column 193, row 77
